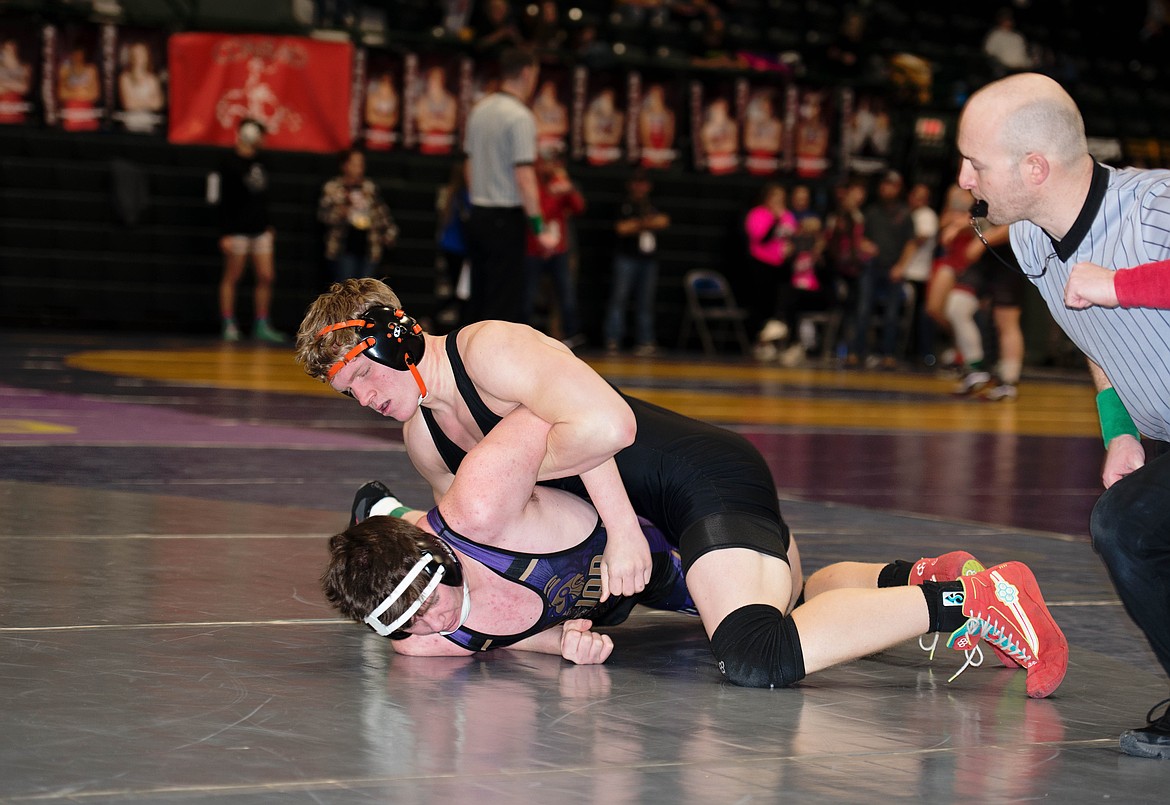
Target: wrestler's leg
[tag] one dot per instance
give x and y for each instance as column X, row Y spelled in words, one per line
column 837, row 626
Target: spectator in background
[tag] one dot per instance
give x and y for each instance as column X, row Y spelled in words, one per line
column 240, row 188
column 546, row 33
column 846, row 249
column 357, row 221
column 1006, row 48
column 918, row 269
column 496, row 29
column 769, row 227
column 849, row 54
column 800, row 202
column 453, row 281
column 500, row 144
column 635, row 268
column 559, row 200
column 889, row 232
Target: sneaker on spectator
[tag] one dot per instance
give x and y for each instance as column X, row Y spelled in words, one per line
column 645, row 350
column 1152, row 740
column 230, row 331
column 1001, row 391
column 1004, row 607
column 972, row 383
column 264, row 332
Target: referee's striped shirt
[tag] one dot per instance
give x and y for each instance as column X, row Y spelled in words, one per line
column 501, row 134
column 1125, row 222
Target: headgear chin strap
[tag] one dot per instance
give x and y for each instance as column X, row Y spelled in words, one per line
column 390, row 337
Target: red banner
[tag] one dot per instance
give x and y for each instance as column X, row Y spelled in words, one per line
column 298, row 88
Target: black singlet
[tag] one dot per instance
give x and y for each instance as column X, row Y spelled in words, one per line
column 679, row 474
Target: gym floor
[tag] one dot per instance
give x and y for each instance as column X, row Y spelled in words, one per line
column 163, row 637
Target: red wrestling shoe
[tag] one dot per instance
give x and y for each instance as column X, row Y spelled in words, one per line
column 1004, row 607
column 951, row 567
column 948, row 567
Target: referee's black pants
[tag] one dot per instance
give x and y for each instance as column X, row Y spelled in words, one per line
column 1130, row 527
column 495, row 249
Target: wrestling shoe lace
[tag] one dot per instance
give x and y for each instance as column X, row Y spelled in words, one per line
column 1004, row 607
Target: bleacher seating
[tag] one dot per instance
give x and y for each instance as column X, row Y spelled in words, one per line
column 67, row 260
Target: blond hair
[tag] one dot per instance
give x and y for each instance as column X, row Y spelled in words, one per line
column 343, row 301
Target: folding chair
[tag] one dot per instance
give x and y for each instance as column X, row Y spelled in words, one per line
column 710, row 301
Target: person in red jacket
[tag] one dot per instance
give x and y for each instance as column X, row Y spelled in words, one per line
column 549, row 253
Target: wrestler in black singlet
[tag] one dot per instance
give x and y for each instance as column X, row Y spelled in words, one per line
column 703, row 486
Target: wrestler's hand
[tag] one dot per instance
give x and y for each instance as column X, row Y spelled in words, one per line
column 626, row 563
column 581, row 645
column 1089, row 284
column 1124, row 455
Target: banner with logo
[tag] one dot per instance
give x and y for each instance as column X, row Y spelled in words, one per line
column 298, row 88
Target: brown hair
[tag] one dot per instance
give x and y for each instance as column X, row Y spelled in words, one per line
column 343, row 301
column 366, row 562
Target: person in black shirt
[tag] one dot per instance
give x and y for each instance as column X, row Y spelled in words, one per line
column 241, row 190
column 635, row 267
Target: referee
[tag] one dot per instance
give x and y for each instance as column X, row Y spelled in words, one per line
column 500, row 144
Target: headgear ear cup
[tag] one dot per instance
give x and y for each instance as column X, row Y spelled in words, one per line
column 443, row 556
column 398, row 339
column 388, row 336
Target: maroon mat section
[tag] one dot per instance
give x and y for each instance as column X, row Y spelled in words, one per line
column 28, row 416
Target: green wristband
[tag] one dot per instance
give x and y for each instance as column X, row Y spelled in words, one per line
column 401, row 510
column 1115, row 420
column 537, row 224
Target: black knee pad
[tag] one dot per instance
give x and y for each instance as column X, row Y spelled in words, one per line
column 758, row 647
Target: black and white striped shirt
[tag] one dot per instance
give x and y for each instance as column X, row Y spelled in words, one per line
column 501, row 134
column 1125, row 222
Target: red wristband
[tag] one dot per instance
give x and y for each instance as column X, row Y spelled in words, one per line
column 1144, row 286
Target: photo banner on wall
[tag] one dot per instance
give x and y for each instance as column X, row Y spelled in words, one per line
column 866, row 131
column 20, row 73
column 76, row 70
column 382, row 106
column 764, row 143
column 550, row 107
column 812, row 133
column 137, row 78
column 715, row 114
column 298, row 88
column 599, row 121
column 655, row 104
column 433, row 84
